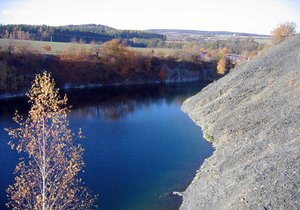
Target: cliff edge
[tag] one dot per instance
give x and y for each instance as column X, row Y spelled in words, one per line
column 252, row 116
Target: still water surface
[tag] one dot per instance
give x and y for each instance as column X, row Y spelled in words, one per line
column 139, row 146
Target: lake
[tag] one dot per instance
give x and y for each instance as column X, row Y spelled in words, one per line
column 139, row 145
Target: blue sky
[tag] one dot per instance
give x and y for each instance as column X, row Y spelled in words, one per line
column 255, row 16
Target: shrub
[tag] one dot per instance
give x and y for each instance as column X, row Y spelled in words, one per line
column 283, row 31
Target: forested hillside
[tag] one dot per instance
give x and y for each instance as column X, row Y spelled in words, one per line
column 87, row 33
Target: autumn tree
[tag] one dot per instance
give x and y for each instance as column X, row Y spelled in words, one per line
column 24, row 49
column 224, row 65
column 76, row 51
column 221, row 53
column 117, row 57
column 9, row 46
column 47, row 179
column 221, row 66
column 283, row 31
column 10, row 79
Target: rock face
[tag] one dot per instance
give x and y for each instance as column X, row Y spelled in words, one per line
column 188, row 72
column 253, row 116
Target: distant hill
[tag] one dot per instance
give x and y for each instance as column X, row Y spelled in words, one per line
column 95, row 28
column 68, row 33
column 204, row 33
column 200, row 36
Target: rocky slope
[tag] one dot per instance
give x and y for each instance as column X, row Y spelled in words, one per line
column 253, row 117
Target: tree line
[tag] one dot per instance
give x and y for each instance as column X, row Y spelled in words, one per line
column 88, row 33
column 82, row 64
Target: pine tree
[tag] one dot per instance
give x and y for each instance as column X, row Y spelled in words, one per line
column 47, row 179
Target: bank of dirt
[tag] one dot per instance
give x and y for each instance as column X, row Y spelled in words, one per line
column 253, row 118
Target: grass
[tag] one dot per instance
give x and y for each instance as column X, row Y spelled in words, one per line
column 58, row 47
column 266, row 41
column 155, row 51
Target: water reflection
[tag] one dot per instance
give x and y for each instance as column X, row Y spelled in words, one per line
column 117, row 102
column 113, row 102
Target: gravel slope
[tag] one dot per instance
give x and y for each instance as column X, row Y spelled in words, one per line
column 253, row 115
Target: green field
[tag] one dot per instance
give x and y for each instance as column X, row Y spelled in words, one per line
column 56, row 47
column 266, row 41
column 158, row 52
column 59, row 47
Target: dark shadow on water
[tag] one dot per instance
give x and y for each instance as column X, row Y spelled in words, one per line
column 113, row 102
column 116, row 102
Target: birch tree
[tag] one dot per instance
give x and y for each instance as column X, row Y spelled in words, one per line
column 47, row 179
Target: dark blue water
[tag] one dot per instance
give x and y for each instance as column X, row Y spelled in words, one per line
column 139, row 146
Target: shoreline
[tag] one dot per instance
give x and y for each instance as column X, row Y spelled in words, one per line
column 66, row 88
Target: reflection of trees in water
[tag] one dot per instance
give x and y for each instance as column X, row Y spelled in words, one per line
column 106, row 110
column 118, row 106
column 114, row 102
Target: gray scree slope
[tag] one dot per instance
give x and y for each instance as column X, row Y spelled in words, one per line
column 253, row 114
